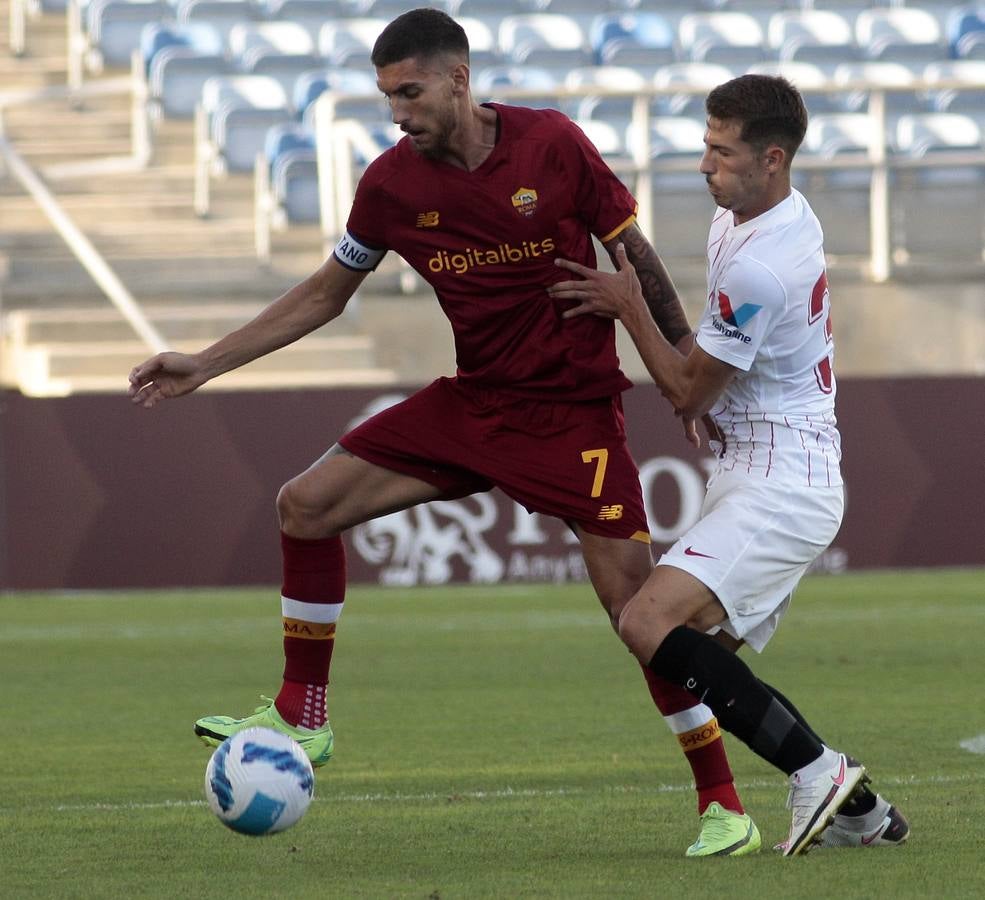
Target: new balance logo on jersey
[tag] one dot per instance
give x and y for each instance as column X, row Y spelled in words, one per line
column 427, row 220
column 610, row 513
column 736, row 317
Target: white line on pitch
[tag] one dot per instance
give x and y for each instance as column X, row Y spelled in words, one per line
column 507, row 793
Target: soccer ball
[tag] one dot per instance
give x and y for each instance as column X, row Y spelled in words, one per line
column 259, row 781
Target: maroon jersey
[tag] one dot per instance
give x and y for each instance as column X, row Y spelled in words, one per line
column 486, row 242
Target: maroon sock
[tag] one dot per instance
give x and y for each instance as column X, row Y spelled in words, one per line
column 698, row 734
column 312, row 595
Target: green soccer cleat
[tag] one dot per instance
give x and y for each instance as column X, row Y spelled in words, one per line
column 725, row 833
column 318, row 743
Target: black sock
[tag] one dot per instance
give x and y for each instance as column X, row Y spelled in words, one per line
column 860, row 802
column 739, row 700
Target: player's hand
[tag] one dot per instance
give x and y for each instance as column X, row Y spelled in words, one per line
column 691, row 431
column 163, row 376
column 608, row 294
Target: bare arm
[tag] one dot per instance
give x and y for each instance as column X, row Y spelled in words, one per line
column 691, row 383
column 321, row 297
column 657, row 287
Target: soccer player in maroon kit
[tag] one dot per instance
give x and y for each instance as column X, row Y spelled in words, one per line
column 480, row 200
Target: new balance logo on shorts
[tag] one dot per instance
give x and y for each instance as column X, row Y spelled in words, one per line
column 610, row 513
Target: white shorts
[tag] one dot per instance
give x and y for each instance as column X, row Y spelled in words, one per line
column 752, row 545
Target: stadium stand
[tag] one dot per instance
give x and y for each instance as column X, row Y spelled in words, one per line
column 901, row 34
column 699, row 77
column 545, row 40
column 282, row 50
column 965, row 32
column 601, row 107
column 643, row 40
column 728, row 38
column 542, row 83
column 349, row 41
column 939, row 211
column 179, row 59
column 820, row 36
column 224, row 15
column 971, row 73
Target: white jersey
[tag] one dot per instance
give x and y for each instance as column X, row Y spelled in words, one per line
column 768, row 314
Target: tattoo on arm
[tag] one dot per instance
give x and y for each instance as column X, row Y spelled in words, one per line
column 658, row 288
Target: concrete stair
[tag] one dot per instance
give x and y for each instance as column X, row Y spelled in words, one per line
column 194, row 278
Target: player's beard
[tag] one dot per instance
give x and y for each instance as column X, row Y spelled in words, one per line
column 439, row 136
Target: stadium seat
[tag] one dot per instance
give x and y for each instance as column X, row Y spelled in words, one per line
column 181, row 58
column 198, row 36
column 239, row 110
column 483, row 48
column 840, row 196
column 939, row 211
column 808, row 78
column 616, row 111
column 965, row 32
column 918, row 135
column 820, row 36
column 310, row 14
column 113, row 27
column 544, row 40
column 290, row 154
column 880, row 74
column 349, row 41
column 355, row 82
column 901, row 34
column 700, row 75
column 728, row 38
column 605, row 136
column 223, row 14
column 282, row 50
column 390, row 9
column 970, row 101
column 488, row 82
column 681, row 205
column 643, row 40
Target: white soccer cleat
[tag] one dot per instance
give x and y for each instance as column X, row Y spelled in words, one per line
column 815, row 801
column 883, row 826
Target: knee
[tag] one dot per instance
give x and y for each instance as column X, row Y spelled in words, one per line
column 643, row 624
column 298, row 514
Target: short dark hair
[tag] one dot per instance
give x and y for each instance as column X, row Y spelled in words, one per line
column 420, row 34
column 770, row 109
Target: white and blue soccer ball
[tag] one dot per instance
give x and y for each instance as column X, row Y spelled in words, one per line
column 259, row 781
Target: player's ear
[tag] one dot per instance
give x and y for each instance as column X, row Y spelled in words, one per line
column 460, row 78
column 775, row 158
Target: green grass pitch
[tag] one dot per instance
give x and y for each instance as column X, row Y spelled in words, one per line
column 491, row 742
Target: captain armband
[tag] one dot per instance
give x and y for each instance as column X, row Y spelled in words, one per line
column 353, row 254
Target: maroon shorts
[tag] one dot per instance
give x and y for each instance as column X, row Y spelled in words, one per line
column 567, row 460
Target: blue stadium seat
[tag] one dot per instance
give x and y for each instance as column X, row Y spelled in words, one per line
column 728, row 38
column 311, row 85
column 940, row 211
column 616, row 111
column 807, row 77
column 349, row 41
column 198, row 36
column 293, row 165
column 483, row 46
column 900, row 34
column 688, row 74
column 820, row 36
column 965, row 32
column 180, row 59
column 239, row 110
column 604, row 136
column 545, row 40
column 311, row 14
column 282, row 50
column 970, row 101
column 640, row 39
column 223, row 14
column 114, row 26
column 881, row 74
column 488, row 82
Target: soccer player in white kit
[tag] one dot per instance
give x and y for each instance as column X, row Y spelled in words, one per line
column 761, row 374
